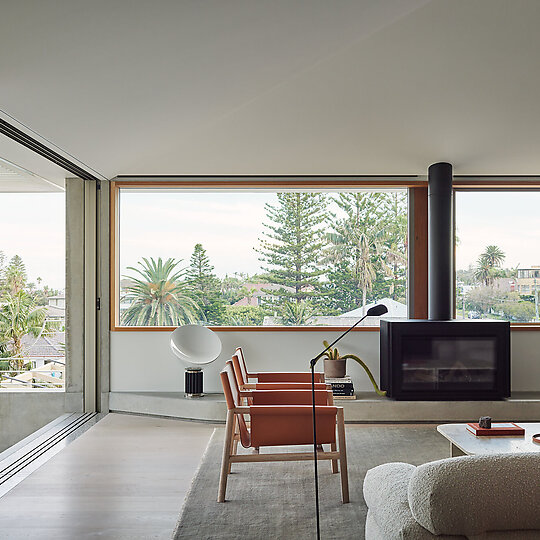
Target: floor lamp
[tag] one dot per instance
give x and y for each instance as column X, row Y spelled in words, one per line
column 375, row 311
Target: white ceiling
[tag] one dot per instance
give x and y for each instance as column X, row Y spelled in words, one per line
column 224, row 87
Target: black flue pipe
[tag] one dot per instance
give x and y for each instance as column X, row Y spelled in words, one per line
column 440, row 242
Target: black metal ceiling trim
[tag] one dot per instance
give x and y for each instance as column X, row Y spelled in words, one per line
column 39, row 148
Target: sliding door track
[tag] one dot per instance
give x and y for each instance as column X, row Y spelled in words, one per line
column 23, row 458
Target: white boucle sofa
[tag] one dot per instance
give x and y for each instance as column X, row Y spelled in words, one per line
column 491, row 497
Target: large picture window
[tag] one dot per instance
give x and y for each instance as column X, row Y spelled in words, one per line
column 498, row 255
column 258, row 257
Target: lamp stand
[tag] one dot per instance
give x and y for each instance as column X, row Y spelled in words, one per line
column 194, row 382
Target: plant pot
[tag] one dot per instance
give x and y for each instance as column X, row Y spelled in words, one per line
column 335, row 369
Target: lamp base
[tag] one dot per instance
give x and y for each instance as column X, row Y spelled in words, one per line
column 193, row 382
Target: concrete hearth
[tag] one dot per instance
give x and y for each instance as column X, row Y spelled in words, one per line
column 521, row 406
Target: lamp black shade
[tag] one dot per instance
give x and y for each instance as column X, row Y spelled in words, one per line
column 377, row 311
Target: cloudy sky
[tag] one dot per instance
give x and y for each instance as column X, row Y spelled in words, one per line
column 32, row 225
column 169, row 224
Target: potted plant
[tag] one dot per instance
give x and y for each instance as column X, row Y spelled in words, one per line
column 335, row 366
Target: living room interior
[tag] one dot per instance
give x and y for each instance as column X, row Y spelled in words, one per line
column 160, row 139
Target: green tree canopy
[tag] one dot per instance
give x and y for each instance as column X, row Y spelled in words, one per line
column 291, row 249
column 204, row 287
column 19, row 316
column 15, row 276
column 158, row 296
column 367, row 248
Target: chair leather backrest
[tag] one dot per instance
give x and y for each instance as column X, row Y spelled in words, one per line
column 230, row 386
column 242, row 363
column 237, row 368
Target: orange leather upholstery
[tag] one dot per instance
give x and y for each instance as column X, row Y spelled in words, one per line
column 290, row 425
column 290, row 397
column 289, row 386
column 239, row 353
column 289, row 376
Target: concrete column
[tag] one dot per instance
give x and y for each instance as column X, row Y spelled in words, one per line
column 103, row 276
column 74, row 294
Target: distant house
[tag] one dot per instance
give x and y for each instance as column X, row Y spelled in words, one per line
column 44, row 349
column 56, row 308
column 258, row 293
column 395, row 309
column 528, row 280
column 505, row 284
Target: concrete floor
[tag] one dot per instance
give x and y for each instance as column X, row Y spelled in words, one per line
column 125, row 478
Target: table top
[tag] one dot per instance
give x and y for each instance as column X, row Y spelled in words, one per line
column 459, row 436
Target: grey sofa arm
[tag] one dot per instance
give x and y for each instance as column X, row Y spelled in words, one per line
column 389, row 515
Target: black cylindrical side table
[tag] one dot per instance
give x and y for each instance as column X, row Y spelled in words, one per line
column 194, row 382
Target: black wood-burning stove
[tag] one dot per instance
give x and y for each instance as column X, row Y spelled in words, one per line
column 441, row 358
column 445, row 360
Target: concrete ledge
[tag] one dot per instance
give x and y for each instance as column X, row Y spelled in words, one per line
column 366, row 408
column 24, row 411
column 209, row 408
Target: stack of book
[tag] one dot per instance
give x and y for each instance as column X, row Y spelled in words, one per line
column 342, row 388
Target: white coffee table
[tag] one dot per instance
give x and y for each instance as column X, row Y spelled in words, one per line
column 464, row 443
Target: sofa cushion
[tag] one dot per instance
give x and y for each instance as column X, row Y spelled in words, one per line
column 389, row 516
column 473, row 494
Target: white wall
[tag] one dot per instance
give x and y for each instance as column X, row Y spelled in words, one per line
column 142, row 361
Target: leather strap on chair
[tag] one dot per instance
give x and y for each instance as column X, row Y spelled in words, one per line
column 290, row 386
column 289, row 397
column 303, row 376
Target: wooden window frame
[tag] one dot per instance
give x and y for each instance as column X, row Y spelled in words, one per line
column 296, row 182
column 417, row 236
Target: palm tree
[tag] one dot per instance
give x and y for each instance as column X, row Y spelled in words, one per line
column 296, row 314
column 158, row 297
column 493, row 255
column 19, row 315
column 482, row 272
column 360, row 238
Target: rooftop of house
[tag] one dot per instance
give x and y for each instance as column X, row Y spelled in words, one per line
column 44, row 346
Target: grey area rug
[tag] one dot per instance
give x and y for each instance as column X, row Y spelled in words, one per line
column 276, row 500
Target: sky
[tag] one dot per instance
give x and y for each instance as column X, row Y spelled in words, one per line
column 229, row 225
column 32, row 225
